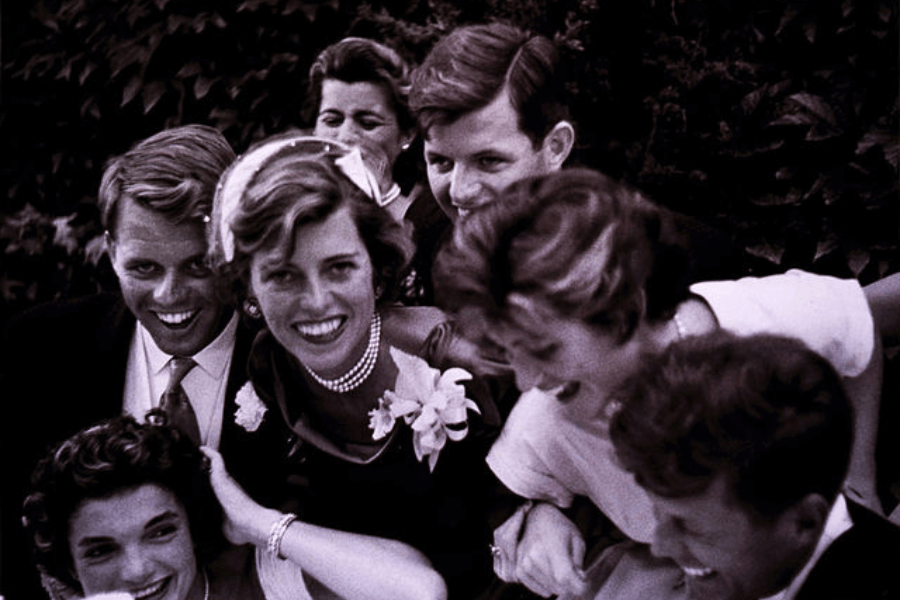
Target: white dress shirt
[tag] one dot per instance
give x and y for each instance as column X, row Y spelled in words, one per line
column 147, row 376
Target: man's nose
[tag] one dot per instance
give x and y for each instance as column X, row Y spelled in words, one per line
column 666, row 539
column 464, row 185
column 169, row 289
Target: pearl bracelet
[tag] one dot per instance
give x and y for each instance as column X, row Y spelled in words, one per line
column 276, row 533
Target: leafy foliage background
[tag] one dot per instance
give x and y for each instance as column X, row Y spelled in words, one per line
column 776, row 121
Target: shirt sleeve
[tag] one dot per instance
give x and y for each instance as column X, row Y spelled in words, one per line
column 830, row 315
column 516, row 458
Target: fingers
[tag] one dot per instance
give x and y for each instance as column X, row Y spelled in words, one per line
column 551, row 574
column 551, row 553
column 506, row 541
column 216, row 466
column 376, row 160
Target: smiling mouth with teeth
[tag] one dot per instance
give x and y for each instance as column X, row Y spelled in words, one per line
column 698, row 572
column 320, row 328
column 176, row 318
column 150, row 590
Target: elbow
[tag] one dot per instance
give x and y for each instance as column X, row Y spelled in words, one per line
column 424, row 584
column 431, row 587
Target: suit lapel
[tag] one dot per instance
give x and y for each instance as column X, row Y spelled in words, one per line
column 859, row 562
column 114, row 333
column 237, row 377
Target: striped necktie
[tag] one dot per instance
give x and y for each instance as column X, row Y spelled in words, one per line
column 174, row 401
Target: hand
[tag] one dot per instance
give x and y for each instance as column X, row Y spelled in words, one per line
column 506, row 543
column 463, row 352
column 376, row 160
column 245, row 520
column 550, row 553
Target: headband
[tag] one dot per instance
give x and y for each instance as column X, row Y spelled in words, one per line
column 238, row 176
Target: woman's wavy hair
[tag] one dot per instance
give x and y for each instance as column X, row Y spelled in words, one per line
column 355, row 60
column 585, row 245
column 362, row 60
column 116, row 455
column 764, row 411
column 298, row 186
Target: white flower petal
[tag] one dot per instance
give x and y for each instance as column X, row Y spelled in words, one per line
column 454, row 375
column 415, row 378
column 457, row 435
column 403, row 408
column 251, row 410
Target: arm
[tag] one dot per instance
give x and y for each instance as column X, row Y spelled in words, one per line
column 864, row 392
column 379, row 568
column 541, row 548
column 884, row 301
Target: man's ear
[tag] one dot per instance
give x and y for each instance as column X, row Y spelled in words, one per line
column 558, row 144
column 110, row 244
column 806, row 519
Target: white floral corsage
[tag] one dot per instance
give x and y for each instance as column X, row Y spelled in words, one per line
column 251, row 409
column 433, row 403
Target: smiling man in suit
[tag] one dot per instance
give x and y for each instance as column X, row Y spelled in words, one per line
column 70, row 363
column 743, row 445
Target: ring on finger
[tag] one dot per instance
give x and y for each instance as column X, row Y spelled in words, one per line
column 495, row 550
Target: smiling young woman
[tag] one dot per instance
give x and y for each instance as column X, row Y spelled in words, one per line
column 297, row 228
column 137, row 509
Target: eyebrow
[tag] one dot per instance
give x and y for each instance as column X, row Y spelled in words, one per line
column 160, row 518
column 361, row 112
column 344, row 256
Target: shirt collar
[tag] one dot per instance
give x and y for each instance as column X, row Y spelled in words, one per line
column 213, row 359
column 838, row 522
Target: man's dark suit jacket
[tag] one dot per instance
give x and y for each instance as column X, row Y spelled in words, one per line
column 862, row 564
column 63, row 369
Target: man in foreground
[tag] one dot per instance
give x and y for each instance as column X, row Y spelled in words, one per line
column 743, row 445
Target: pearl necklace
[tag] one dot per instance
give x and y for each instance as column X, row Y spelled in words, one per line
column 361, row 370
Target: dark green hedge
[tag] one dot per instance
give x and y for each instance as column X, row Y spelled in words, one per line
column 776, row 121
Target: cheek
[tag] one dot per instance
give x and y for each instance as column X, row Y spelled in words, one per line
column 362, row 292
column 438, row 180
column 528, row 372
column 204, row 287
column 133, row 290
column 97, row 579
column 181, row 556
column 272, row 306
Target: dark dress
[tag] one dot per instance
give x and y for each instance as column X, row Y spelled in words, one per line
column 442, row 513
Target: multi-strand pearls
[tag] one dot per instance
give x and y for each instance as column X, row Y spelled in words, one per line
column 361, row 370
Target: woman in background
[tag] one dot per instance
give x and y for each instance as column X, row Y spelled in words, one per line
column 360, row 92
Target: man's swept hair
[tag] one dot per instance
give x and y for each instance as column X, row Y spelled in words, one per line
column 765, row 412
column 173, row 172
column 472, row 65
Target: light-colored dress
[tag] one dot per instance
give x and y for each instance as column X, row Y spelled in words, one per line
column 542, row 455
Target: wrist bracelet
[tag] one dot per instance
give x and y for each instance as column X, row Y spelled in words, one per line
column 276, row 533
